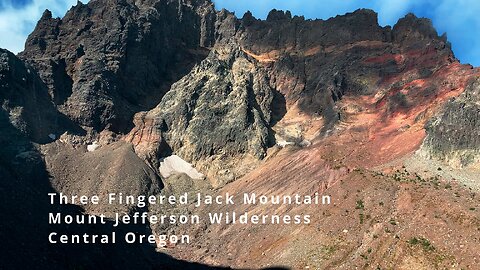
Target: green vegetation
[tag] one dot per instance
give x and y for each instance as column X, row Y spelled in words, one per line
column 398, row 100
column 425, row 243
column 360, row 205
column 328, row 250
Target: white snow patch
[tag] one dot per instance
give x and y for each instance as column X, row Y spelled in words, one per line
column 283, row 143
column 92, row 147
column 176, row 165
column 52, row 136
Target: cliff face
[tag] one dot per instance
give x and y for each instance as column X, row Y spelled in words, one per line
column 217, row 115
column 100, row 97
column 224, row 90
column 304, row 66
column 106, row 60
column 25, row 101
column 454, row 134
column 321, row 61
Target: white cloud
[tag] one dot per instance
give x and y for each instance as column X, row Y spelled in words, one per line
column 17, row 23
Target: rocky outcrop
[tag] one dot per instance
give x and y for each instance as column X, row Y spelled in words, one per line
column 216, row 117
column 25, row 101
column 106, row 60
column 27, row 115
column 288, row 62
column 109, row 60
column 454, row 134
column 315, row 63
column 410, row 31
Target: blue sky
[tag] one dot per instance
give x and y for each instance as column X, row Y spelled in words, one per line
column 460, row 19
column 19, row 17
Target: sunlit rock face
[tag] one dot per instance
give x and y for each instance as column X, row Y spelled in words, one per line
column 454, row 134
column 179, row 77
column 216, row 116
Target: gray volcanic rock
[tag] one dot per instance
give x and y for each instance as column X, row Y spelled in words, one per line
column 454, row 134
column 410, row 29
column 109, row 59
column 281, row 31
column 150, row 78
column 27, row 115
column 316, row 62
column 288, row 62
column 216, row 116
column 106, row 60
column 25, row 100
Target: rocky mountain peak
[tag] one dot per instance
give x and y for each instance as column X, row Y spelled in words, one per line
column 410, row 28
column 109, row 60
column 119, row 55
column 46, row 15
column 116, row 92
column 278, row 15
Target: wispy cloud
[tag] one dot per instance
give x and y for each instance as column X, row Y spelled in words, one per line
column 18, row 18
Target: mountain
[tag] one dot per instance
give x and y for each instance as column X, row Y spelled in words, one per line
column 153, row 97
